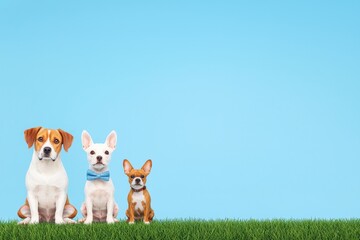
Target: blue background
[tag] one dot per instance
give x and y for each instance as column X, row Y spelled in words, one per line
column 248, row 109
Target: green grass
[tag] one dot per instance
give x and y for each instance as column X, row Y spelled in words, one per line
column 189, row 229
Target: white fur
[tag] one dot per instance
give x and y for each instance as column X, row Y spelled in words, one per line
column 99, row 195
column 47, row 184
column 138, row 198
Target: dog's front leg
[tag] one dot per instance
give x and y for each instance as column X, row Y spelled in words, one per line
column 60, row 203
column 131, row 211
column 146, row 207
column 89, row 216
column 110, row 210
column 34, row 208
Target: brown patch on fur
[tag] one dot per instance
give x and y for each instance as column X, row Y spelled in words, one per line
column 19, row 213
column 55, row 139
column 30, row 135
column 44, row 134
column 75, row 212
column 67, row 139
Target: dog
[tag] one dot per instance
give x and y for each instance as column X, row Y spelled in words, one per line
column 99, row 205
column 139, row 201
column 46, row 178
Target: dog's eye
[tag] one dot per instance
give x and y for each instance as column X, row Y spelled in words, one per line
column 92, row 152
column 142, row 176
column 56, row 141
column 40, row 139
column 107, row 152
column 132, row 176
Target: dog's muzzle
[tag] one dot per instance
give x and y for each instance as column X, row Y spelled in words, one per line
column 46, row 153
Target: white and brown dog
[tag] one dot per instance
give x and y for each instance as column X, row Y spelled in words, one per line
column 99, row 205
column 139, row 201
column 46, row 178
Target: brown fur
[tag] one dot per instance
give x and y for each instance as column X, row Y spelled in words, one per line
column 67, row 139
column 32, row 136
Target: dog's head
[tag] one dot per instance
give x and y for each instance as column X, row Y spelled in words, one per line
column 137, row 177
column 98, row 154
column 47, row 142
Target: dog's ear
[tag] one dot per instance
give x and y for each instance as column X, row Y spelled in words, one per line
column 86, row 140
column 30, row 135
column 67, row 139
column 111, row 139
column 147, row 167
column 127, row 166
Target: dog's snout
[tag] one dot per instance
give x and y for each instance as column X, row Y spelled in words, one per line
column 99, row 158
column 137, row 180
column 47, row 150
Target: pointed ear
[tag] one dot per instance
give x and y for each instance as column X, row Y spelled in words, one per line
column 67, row 139
column 30, row 135
column 86, row 140
column 127, row 166
column 111, row 139
column 147, row 167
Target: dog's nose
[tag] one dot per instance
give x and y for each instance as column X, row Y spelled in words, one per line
column 99, row 158
column 47, row 150
column 137, row 180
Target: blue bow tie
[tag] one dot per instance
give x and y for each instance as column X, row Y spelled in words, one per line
column 91, row 175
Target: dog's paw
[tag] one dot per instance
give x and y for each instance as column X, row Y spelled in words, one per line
column 34, row 221
column 25, row 221
column 131, row 222
column 110, row 220
column 146, row 222
column 116, row 220
column 82, row 220
column 59, row 221
column 69, row 221
column 87, row 221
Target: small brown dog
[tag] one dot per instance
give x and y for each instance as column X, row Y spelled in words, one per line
column 139, row 198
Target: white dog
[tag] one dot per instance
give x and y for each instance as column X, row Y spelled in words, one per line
column 46, row 179
column 99, row 205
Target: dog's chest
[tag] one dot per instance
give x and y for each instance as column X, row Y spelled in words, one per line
column 138, row 198
column 46, row 196
column 42, row 176
column 99, row 192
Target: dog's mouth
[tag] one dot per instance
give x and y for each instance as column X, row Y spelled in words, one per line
column 46, row 157
column 137, row 185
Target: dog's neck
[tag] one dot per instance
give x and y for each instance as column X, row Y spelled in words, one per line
column 138, row 190
column 98, row 171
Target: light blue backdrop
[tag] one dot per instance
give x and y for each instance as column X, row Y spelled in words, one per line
column 247, row 109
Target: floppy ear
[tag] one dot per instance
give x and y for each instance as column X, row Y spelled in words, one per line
column 67, row 139
column 30, row 135
column 86, row 140
column 147, row 167
column 127, row 166
column 111, row 139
